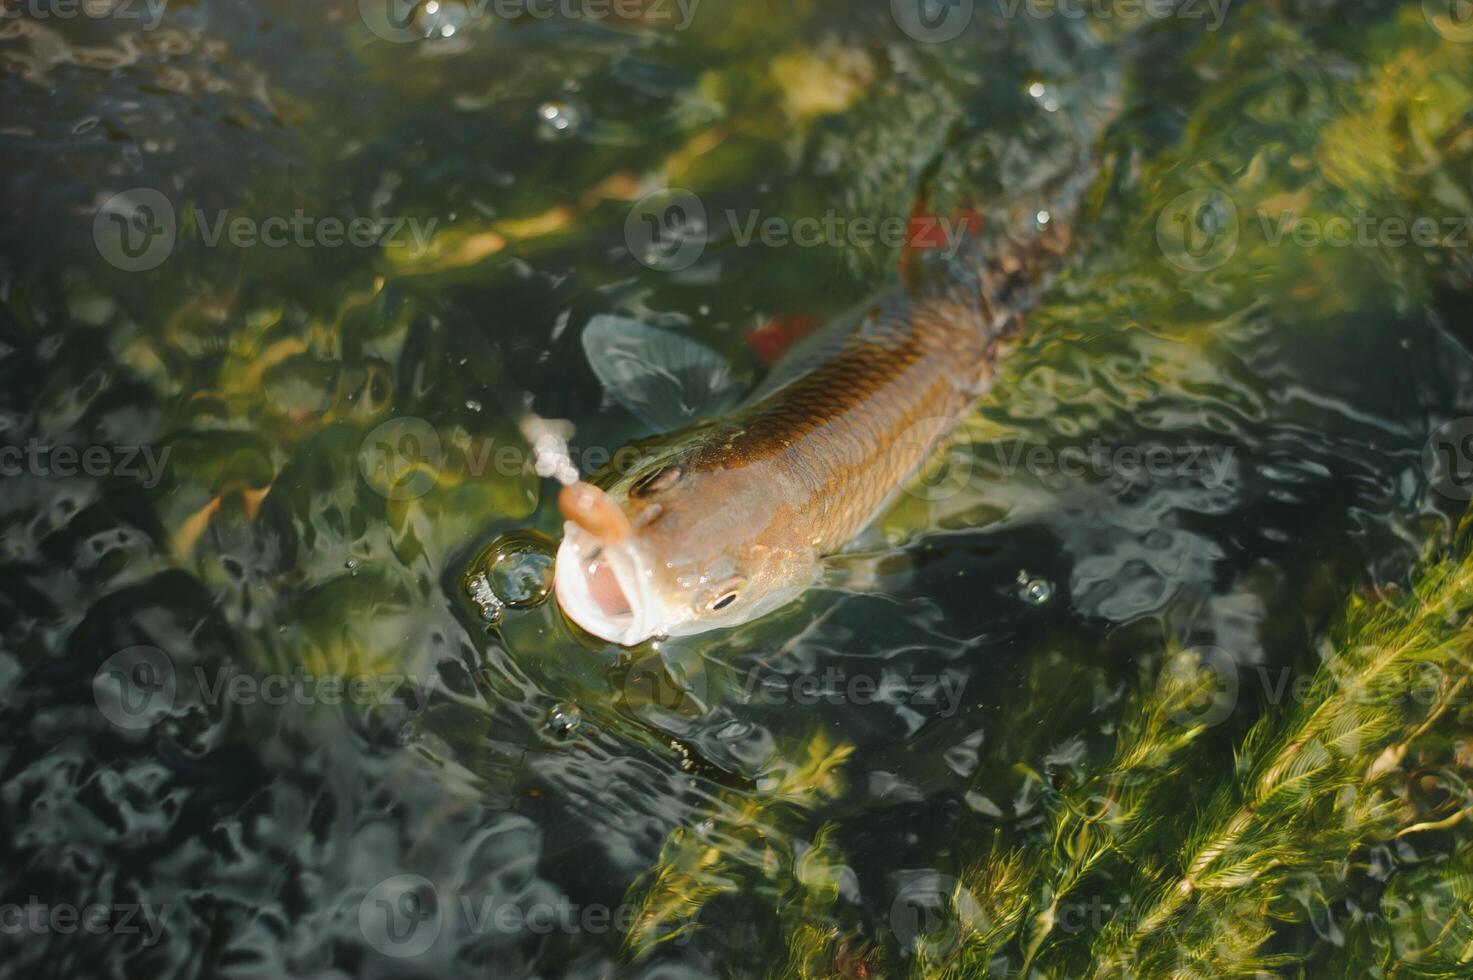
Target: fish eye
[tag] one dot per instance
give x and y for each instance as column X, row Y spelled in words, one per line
column 660, row 479
column 725, row 594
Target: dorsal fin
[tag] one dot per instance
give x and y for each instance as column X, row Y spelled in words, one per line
column 819, row 346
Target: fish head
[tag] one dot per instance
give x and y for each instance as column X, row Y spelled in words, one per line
column 678, row 546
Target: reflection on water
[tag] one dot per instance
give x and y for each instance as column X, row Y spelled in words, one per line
column 281, row 695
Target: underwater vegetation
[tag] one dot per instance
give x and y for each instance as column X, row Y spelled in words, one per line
column 1303, row 850
column 1162, row 669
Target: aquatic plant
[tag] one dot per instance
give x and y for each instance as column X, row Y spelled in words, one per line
column 1115, row 813
column 1318, row 808
column 1314, row 783
column 735, row 840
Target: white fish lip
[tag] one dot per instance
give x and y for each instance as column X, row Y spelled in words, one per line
column 572, row 584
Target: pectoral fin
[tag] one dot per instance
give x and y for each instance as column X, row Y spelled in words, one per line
column 664, row 379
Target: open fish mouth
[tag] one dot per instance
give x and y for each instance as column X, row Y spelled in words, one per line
column 605, row 588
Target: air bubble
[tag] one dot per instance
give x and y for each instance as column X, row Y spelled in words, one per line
column 522, row 573
column 1036, row 591
column 478, row 587
column 443, row 19
column 557, row 119
column 514, row 572
column 563, row 719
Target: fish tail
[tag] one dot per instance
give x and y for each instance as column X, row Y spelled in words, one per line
column 1003, row 269
column 1026, row 237
column 1012, row 255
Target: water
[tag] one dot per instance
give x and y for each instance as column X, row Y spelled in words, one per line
column 251, row 687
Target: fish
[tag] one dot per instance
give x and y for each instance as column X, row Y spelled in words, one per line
column 731, row 516
column 729, row 512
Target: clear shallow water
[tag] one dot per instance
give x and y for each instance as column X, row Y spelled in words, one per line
column 1196, row 445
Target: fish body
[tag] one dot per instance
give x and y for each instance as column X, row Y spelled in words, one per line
column 732, row 516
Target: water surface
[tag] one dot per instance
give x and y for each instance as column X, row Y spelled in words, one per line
column 244, row 686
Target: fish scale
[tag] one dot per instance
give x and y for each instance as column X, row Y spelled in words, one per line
column 857, row 428
column 729, row 518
